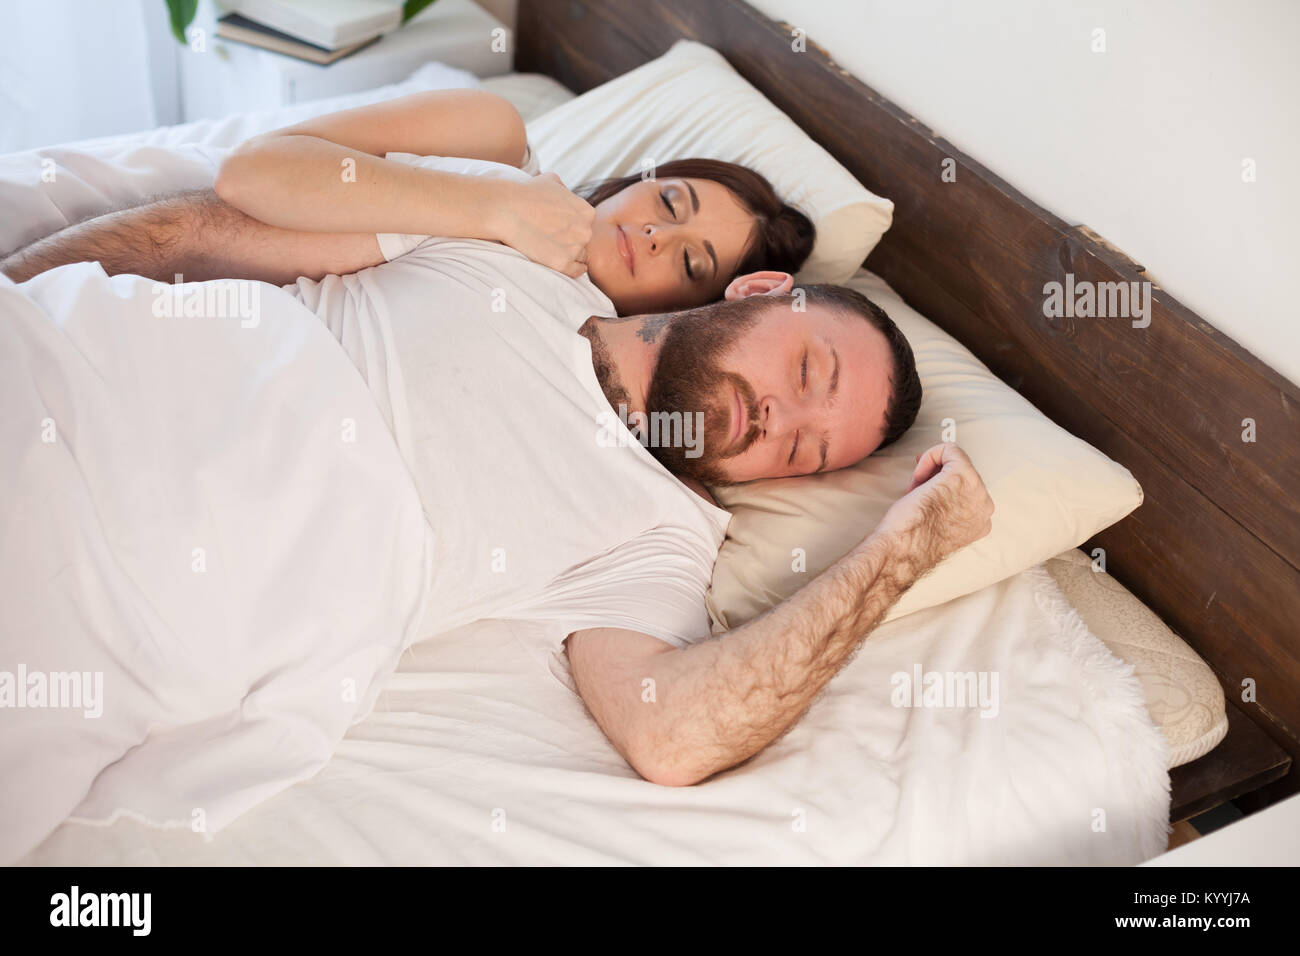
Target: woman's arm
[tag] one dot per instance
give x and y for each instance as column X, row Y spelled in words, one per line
column 329, row 174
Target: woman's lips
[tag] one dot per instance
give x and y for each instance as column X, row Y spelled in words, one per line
column 625, row 250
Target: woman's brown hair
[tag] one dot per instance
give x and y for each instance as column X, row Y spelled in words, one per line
column 783, row 236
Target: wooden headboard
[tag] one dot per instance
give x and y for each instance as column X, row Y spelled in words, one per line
column 1215, row 547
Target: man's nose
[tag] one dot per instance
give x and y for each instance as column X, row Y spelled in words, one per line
column 779, row 418
column 773, row 418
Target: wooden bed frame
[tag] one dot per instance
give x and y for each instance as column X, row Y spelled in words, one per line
column 1215, row 547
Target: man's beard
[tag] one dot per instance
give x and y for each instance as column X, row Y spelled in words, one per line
column 687, row 380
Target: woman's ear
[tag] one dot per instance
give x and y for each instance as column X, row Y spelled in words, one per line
column 759, row 283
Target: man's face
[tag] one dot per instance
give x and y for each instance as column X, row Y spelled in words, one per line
column 782, row 392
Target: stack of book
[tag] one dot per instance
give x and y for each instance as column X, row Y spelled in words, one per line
column 320, row 31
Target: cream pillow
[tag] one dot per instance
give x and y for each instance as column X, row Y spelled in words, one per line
column 1181, row 692
column 691, row 103
column 1051, row 490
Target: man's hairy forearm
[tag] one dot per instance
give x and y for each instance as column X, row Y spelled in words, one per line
column 156, row 240
column 199, row 237
column 722, row 701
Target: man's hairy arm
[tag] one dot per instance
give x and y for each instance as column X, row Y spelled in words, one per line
column 719, row 702
column 197, row 236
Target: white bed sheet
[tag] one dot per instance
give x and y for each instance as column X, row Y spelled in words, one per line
column 478, row 750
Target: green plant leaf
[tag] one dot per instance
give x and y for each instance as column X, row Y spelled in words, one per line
column 182, row 15
column 412, row 7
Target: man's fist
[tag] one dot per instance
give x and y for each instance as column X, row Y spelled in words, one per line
column 946, row 507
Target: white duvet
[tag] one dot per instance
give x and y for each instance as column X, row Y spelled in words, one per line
column 190, row 443
column 205, row 518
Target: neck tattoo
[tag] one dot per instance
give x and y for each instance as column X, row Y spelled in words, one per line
column 651, row 326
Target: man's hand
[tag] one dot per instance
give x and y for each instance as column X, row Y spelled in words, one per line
column 547, row 223
column 946, row 506
column 720, row 702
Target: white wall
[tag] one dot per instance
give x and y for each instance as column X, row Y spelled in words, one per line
column 1144, row 143
column 71, row 70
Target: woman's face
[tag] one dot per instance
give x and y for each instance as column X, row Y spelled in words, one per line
column 666, row 244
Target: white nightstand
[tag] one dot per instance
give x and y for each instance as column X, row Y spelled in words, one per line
column 229, row 77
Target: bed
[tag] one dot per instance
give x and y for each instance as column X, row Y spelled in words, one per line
column 1215, row 549
column 478, row 751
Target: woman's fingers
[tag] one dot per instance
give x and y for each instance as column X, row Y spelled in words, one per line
column 551, row 225
column 580, row 262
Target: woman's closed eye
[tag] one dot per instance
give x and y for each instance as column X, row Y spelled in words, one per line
column 672, row 210
column 672, row 213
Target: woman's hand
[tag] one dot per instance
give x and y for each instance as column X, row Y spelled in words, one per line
column 547, row 223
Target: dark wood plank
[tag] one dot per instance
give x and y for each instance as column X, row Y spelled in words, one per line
column 1215, row 549
column 1188, row 591
column 1246, row 760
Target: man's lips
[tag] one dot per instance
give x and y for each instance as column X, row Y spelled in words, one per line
column 625, row 250
column 737, row 417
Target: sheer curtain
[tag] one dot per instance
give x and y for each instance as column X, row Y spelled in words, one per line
column 73, row 69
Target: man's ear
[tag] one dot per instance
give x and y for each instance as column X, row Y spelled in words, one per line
column 759, row 283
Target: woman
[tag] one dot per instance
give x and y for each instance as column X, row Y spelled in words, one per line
column 671, row 242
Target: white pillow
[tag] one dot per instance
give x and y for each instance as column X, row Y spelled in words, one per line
column 1051, row 490
column 532, row 94
column 691, row 103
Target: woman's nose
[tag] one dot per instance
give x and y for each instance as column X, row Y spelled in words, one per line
column 652, row 234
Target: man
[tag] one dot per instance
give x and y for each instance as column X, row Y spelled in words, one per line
column 504, row 382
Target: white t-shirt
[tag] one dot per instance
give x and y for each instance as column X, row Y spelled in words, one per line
column 473, row 355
